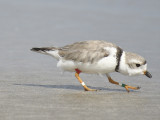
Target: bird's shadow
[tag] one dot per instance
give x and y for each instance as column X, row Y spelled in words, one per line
column 71, row 87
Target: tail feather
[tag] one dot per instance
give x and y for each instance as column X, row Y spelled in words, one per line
column 53, row 51
column 44, row 49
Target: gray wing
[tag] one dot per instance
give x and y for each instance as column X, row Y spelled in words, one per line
column 87, row 51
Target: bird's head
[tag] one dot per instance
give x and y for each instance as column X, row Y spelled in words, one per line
column 134, row 65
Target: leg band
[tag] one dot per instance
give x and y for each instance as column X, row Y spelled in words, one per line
column 83, row 84
column 78, row 71
column 123, row 85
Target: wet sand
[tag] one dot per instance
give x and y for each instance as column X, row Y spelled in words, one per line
column 31, row 87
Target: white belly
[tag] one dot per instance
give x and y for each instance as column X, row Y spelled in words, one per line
column 105, row 65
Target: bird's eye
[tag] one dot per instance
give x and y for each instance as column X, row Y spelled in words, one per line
column 138, row 65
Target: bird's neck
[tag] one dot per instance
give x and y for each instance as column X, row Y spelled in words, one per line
column 122, row 65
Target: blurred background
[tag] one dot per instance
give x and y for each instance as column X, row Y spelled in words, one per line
column 133, row 25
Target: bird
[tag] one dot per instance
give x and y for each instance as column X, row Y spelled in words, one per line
column 97, row 57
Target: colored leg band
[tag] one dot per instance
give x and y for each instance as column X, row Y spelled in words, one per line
column 78, row 71
column 123, row 85
column 83, row 84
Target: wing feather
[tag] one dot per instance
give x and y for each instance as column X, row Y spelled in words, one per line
column 86, row 51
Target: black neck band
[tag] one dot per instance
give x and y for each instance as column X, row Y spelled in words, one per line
column 118, row 57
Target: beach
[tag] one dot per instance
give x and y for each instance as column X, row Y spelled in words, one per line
column 31, row 85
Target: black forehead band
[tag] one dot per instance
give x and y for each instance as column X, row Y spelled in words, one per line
column 144, row 62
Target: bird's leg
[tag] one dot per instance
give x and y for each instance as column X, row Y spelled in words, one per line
column 127, row 87
column 82, row 83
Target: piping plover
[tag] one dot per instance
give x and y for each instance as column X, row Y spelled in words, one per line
column 97, row 57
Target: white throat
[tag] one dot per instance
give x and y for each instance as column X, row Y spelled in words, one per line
column 123, row 66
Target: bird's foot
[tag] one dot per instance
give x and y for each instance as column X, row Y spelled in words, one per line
column 130, row 87
column 89, row 89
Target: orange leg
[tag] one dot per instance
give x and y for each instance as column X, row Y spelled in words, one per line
column 127, row 87
column 82, row 83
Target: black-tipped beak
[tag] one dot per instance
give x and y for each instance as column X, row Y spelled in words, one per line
column 148, row 74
